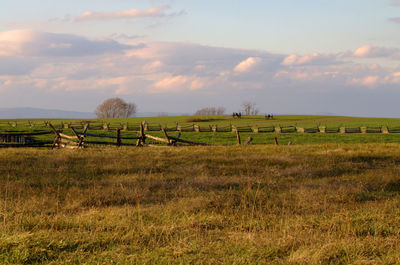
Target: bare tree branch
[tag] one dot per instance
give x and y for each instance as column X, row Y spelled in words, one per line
column 115, row 108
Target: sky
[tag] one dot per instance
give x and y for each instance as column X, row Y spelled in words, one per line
column 288, row 57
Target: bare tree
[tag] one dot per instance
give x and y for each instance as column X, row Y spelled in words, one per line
column 115, row 108
column 221, row 111
column 249, row 108
column 210, row 111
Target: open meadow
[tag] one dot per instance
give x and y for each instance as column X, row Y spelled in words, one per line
column 261, row 204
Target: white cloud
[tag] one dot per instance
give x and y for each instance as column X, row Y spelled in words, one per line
column 164, row 70
column 369, row 51
column 152, row 66
column 366, row 81
column 178, row 83
column 314, row 58
column 127, row 14
column 247, row 65
column 43, row 44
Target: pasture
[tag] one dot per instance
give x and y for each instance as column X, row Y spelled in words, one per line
column 304, row 204
column 328, row 198
column 217, row 130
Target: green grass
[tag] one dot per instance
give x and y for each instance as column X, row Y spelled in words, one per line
column 304, row 121
column 230, row 138
column 313, row 204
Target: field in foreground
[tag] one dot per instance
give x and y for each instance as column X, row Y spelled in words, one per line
column 315, row 204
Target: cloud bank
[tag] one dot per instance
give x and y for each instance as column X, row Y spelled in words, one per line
column 35, row 43
column 127, row 14
column 369, row 51
column 47, row 67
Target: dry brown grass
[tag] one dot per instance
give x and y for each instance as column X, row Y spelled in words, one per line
column 319, row 204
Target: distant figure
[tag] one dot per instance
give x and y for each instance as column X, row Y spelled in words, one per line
column 237, row 115
column 269, row 117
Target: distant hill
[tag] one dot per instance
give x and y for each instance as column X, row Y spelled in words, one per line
column 37, row 113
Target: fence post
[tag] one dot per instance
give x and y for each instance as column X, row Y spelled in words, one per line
column 105, row 126
column 166, row 136
column 385, row 129
column 238, row 137
column 142, row 137
column 118, row 137
column 145, row 126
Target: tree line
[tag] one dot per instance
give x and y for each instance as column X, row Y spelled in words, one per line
column 118, row 108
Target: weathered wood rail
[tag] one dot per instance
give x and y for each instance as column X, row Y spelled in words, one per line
column 134, row 127
column 66, row 134
column 16, row 139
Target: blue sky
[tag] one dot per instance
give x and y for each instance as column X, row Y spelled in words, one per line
column 179, row 56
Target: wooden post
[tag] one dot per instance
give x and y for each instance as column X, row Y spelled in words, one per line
column 82, row 137
column 276, row 140
column 238, row 137
column 139, row 141
column 118, row 137
column 166, row 136
column 145, row 126
column 142, row 128
column 58, row 137
column 215, row 128
column 142, row 140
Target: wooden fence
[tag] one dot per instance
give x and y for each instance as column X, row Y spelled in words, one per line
column 78, row 139
column 27, row 139
column 198, row 128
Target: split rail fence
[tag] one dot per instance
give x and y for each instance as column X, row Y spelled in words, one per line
column 79, row 139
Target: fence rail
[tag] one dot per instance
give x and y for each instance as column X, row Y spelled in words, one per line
column 31, row 136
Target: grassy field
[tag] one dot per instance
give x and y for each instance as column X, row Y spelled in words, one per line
column 230, row 138
column 283, row 120
column 310, row 204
